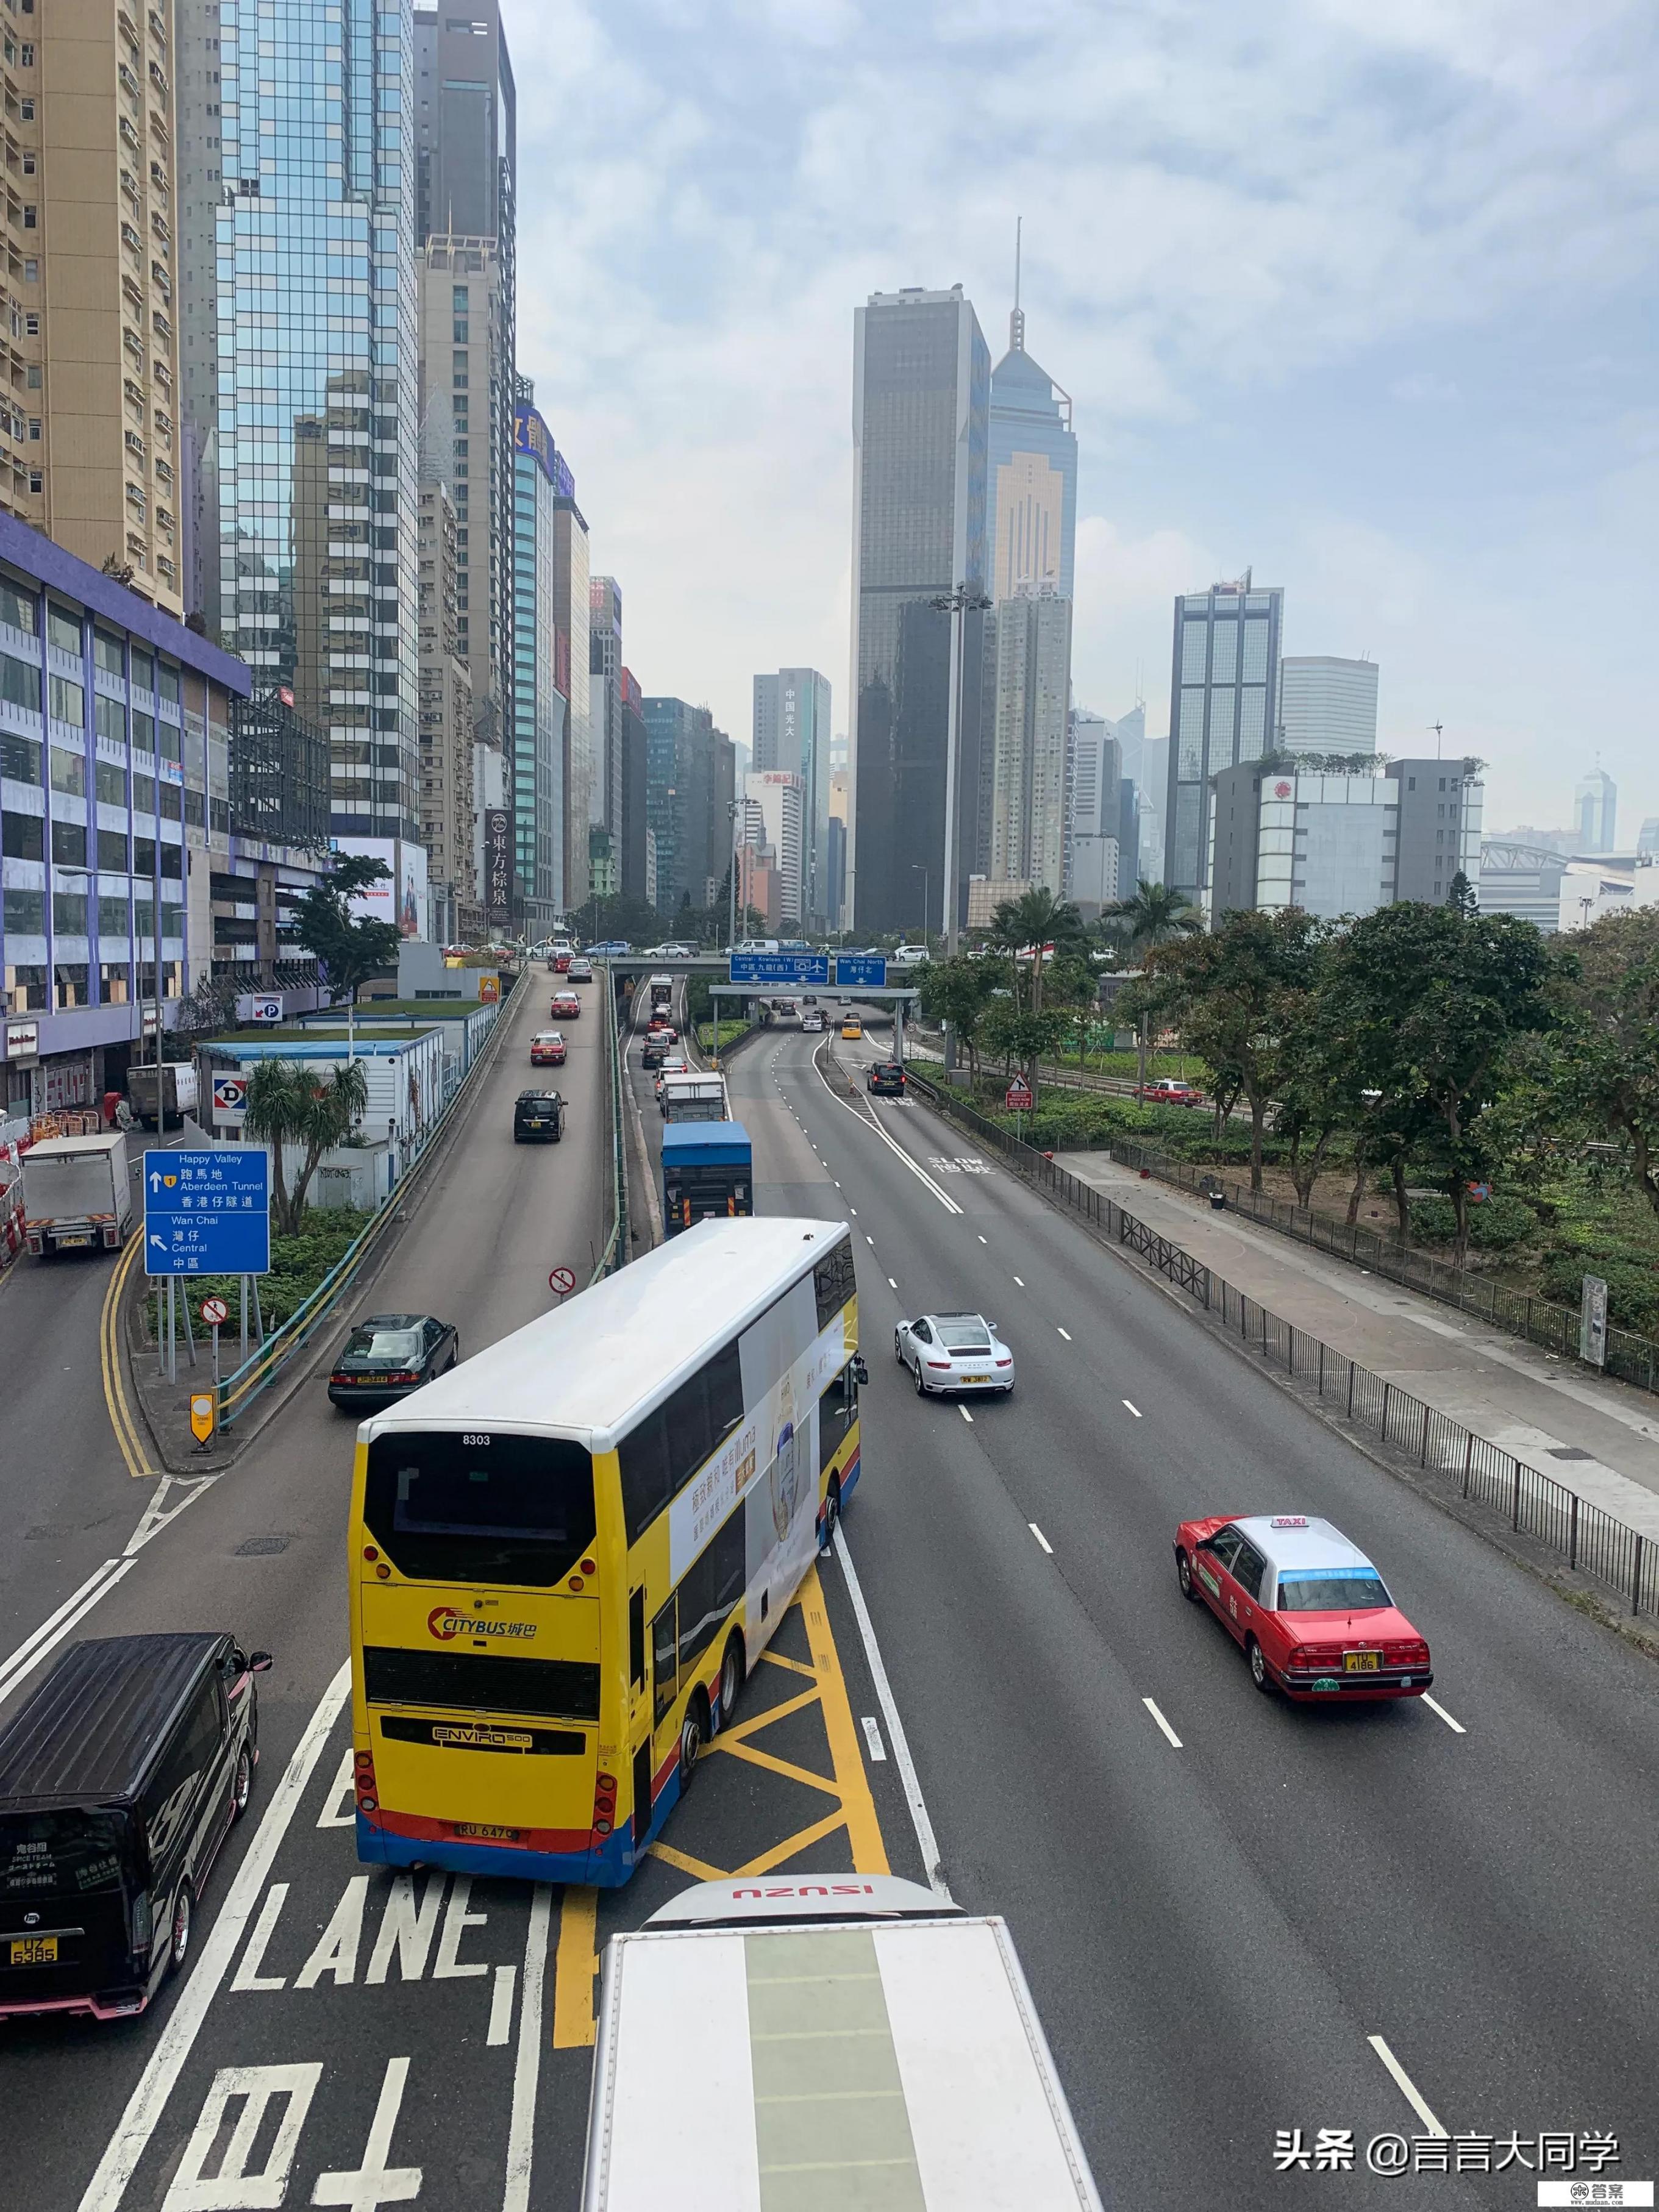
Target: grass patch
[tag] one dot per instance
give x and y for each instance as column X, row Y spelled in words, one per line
column 715, row 1036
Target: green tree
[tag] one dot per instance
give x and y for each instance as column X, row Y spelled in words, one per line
column 1432, row 1002
column 1240, row 993
column 1607, row 1060
column 1036, row 919
column 351, row 949
column 959, row 992
column 1022, row 1034
column 291, row 1104
column 1152, row 916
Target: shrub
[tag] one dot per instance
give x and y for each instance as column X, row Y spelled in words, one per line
column 1500, row 1222
column 1632, row 1287
column 1433, row 1221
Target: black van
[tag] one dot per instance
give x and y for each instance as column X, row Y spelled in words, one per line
column 119, row 1779
column 538, row 1117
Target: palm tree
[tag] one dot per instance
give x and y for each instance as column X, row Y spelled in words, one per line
column 1153, row 915
column 291, row 1104
column 1036, row 919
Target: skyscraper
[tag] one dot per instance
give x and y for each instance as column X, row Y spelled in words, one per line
column 1222, row 710
column 629, row 839
column 1033, row 690
column 536, row 788
column 1097, row 867
column 571, row 615
column 1326, row 705
column 922, row 384
column 446, row 723
column 791, row 732
column 1030, row 485
column 1595, row 812
column 773, row 821
column 88, row 447
column 605, row 667
column 318, row 435
column 690, row 770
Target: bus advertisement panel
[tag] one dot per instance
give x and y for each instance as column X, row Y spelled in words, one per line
column 568, row 1552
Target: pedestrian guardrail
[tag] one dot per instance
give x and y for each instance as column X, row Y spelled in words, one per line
column 614, row 1254
column 1591, row 1540
column 237, row 1392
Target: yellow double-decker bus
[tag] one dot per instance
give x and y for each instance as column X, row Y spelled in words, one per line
column 566, row 1554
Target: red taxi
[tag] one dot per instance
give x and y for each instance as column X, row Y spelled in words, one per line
column 547, row 1049
column 565, row 1006
column 1313, row 1615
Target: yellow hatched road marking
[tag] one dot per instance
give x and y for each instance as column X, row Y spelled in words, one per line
column 685, row 1863
column 798, row 1842
column 785, row 1767
column 795, row 1666
column 863, row 1828
column 574, row 1966
column 742, row 1730
column 109, row 1360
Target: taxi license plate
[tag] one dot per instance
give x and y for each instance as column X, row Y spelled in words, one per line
column 64, row 1241
column 35, row 1950
column 1361, row 1662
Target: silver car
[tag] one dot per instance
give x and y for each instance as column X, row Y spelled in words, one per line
column 954, row 1351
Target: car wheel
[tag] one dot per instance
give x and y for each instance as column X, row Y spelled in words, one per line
column 921, row 1387
column 180, row 1923
column 1184, row 1577
column 1259, row 1674
column 694, row 1732
column 242, row 1788
column 731, row 1679
column 898, row 1349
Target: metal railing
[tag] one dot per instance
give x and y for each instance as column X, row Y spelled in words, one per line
column 614, row 1254
column 1592, row 1541
column 237, row 1391
column 1629, row 1358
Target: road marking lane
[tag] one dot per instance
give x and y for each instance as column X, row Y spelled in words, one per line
column 1161, row 1722
column 966, row 1415
column 1406, row 2086
column 1066, row 1332
column 156, row 2083
column 527, row 2065
column 919, row 1820
column 873, row 1737
column 1040, row 1538
column 52, row 1632
column 983, row 1240
column 891, row 1285
column 109, row 1359
column 1020, row 1279
column 574, row 1969
column 1134, row 1409
column 1435, row 1706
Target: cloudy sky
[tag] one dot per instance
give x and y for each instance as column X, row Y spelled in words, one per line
column 1359, row 294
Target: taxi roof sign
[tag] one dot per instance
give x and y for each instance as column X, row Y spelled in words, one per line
column 1289, row 1520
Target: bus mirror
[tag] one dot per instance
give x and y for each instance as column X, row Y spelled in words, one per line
column 860, row 1372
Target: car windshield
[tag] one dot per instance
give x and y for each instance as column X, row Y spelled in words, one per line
column 1332, row 1590
column 963, row 1336
column 382, row 1347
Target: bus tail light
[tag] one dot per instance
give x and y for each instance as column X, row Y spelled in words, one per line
column 367, row 1796
column 604, row 1804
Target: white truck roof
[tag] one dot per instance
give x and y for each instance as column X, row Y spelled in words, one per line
column 69, row 1148
column 753, row 2053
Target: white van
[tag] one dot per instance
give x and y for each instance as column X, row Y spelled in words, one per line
column 838, row 2022
column 694, row 1097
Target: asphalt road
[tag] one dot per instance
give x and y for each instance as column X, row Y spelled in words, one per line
column 1214, row 1933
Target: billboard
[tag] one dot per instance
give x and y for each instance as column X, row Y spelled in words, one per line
column 498, row 862
column 401, row 897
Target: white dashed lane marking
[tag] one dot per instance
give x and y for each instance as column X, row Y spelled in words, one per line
column 1161, row 1722
column 1135, row 1410
column 966, row 1415
column 1040, row 1538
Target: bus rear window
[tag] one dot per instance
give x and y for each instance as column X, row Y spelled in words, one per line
column 66, row 1853
column 480, row 1507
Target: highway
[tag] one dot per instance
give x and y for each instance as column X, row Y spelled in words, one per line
column 1219, row 1904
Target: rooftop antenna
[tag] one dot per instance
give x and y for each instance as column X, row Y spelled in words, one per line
column 1437, row 727
column 1016, row 320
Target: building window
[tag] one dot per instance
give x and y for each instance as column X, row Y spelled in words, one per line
column 27, row 106
column 31, row 272
column 1193, row 639
column 32, row 325
column 31, row 218
column 37, row 480
column 33, row 379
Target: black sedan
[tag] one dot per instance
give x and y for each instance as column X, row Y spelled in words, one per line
column 538, row 1117
column 389, row 1355
column 886, row 1079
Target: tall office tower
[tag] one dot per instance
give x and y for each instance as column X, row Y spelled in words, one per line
column 774, row 819
column 1097, row 860
column 689, row 792
column 446, row 724
column 922, row 379
column 605, row 667
column 570, row 611
column 539, row 700
column 89, row 452
column 1031, row 485
column 792, row 733
column 1595, row 812
column 1152, row 793
column 1326, row 705
column 198, row 131
column 1222, row 710
column 629, row 839
column 319, row 401
column 464, row 126
column 1033, row 687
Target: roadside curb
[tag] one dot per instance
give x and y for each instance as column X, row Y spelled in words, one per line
column 275, row 1400
column 1545, row 1567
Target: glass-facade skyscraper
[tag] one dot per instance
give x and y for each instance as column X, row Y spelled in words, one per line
column 317, row 441
column 536, row 790
column 921, row 392
column 792, row 731
column 1224, row 708
column 1030, row 483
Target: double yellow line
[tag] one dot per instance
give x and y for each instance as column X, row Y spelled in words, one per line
column 109, row 1358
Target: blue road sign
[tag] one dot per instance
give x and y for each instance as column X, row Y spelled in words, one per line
column 779, row 968
column 865, row 971
column 207, row 1213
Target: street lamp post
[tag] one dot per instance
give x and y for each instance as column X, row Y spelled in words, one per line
column 964, row 599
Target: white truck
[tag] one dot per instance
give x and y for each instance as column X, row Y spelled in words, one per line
column 173, row 1084
column 694, row 1097
column 77, row 1193
column 824, row 2040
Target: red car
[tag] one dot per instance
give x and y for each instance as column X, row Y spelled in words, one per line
column 547, row 1049
column 1168, row 1092
column 1313, row 1615
column 565, row 1006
